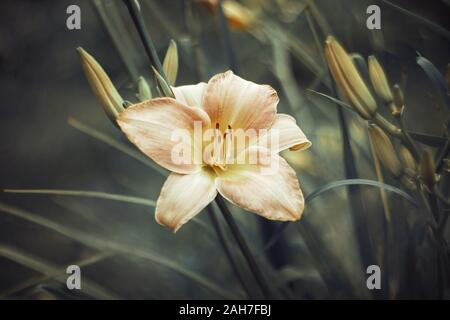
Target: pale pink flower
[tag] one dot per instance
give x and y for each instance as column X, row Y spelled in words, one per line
column 226, row 103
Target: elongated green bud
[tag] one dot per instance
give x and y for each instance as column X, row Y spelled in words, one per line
column 349, row 80
column 101, row 85
column 385, row 151
column 407, row 158
column 427, row 169
column 379, row 80
column 144, row 89
column 398, row 103
column 170, row 64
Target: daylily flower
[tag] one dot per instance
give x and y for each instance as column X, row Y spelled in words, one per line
column 225, row 104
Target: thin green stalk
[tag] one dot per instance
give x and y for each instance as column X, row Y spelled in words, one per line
column 407, row 138
column 49, row 273
column 356, row 203
column 115, row 28
column 85, row 193
column 384, row 124
column 226, row 249
column 257, row 273
column 442, row 155
column 193, row 27
column 135, row 13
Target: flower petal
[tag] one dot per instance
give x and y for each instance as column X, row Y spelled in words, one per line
column 184, row 196
column 284, row 134
column 156, row 127
column 273, row 193
column 190, row 95
column 231, row 100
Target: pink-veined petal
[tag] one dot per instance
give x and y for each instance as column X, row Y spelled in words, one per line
column 159, row 126
column 190, row 95
column 269, row 188
column 231, row 100
column 184, row 196
column 284, row 134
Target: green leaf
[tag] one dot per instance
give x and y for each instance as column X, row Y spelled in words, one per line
column 88, row 194
column 360, row 182
column 101, row 244
column 346, row 106
column 430, row 140
column 333, row 185
column 163, row 85
column 436, row 78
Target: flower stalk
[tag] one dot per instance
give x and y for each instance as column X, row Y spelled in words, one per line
column 265, row 289
column 135, row 13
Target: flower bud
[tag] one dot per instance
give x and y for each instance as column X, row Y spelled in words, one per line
column 162, row 84
column 427, row 169
column 385, row 151
column 407, row 158
column 379, row 80
column 144, row 89
column 101, row 85
column 349, row 80
column 398, row 102
column 170, row 64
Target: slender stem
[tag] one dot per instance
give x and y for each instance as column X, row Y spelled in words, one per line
column 226, row 249
column 193, row 28
column 387, row 126
column 135, row 12
column 257, row 273
column 85, row 193
column 442, row 155
column 407, row 138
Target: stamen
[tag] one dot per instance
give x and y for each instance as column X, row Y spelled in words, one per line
column 228, row 145
column 217, row 145
column 222, row 147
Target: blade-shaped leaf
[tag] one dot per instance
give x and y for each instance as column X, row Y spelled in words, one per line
column 430, row 140
column 86, row 193
column 336, row 184
column 346, row 106
column 436, row 77
column 101, row 244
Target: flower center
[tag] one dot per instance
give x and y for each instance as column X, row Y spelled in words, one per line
column 222, row 148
